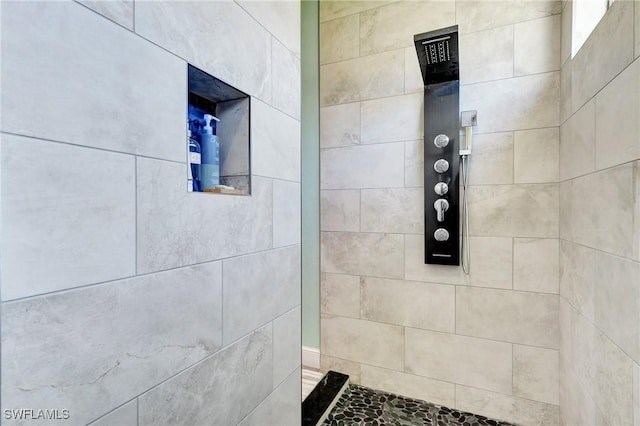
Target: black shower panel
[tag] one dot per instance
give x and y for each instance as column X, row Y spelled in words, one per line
column 438, row 56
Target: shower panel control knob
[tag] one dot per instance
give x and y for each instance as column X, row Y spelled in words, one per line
column 441, row 188
column 441, row 205
column 441, row 234
column 441, row 165
column 441, row 141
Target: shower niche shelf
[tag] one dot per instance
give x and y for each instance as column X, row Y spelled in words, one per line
column 218, row 136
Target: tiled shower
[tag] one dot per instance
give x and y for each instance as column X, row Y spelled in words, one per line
column 546, row 327
column 127, row 300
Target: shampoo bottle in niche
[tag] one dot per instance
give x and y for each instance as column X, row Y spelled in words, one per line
column 195, row 160
column 210, row 168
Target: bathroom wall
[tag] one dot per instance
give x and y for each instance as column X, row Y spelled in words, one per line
column 487, row 342
column 125, row 299
column 600, row 222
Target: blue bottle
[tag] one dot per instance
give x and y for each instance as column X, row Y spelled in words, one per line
column 195, row 160
column 210, row 169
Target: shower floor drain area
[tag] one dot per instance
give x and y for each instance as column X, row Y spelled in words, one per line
column 363, row 406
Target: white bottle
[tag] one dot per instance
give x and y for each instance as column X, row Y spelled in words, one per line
column 210, row 154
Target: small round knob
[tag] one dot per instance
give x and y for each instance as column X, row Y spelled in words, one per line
column 441, row 141
column 441, row 188
column 441, row 234
column 441, row 165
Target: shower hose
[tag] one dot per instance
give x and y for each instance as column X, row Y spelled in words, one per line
column 466, row 258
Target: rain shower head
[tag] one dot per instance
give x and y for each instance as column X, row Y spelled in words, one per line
column 438, row 55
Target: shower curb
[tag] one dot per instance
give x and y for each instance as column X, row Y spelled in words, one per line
column 317, row 406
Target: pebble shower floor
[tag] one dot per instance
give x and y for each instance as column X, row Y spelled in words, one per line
column 359, row 405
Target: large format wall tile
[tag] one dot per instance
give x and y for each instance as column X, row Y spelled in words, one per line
column 280, row 18
column 242, row 54
column 90, row 350
column 414, row 164
column 537, row 45
column 330, row 9
column 597, row 62
column 285, row 77
column 413, row 81
column 637, row 26
column 576, row 405
column 340, row 295
column 492, row 159
column 636, row 217
column 617, row 300
column 578, row 143
column 368, row 342
column 339, row 39
column 458, row 359
column 601, row 212
column 618, row 119
column 517, row 317
column 259, row 287
column 367, row 166
column 281, row 408
column 340, row 210
column 566, row 108
column 68, row 216
column 119, row 11
column 168, row 217
column 535, row 265
column 286, row 345
column 536, row 156
column 492, row 259
column 407, row 122
column 500, row 406
column 393, row 26
column 486, row 55
column 409, row 303
column 220, row 390
column 377, row 255
column 474, row 15
column 636, row 388
column 518, row 103
column 577, row 278
column 340, row 125
column 565, row 31
column 602, row 368
column 275, row 143
column 350, row 368
column 367, row 77
column 535, row 374
column 52, row 78
column 124, row 415
column 514, row 210
column 392, row 210
column 434, row 391
column 286, row 213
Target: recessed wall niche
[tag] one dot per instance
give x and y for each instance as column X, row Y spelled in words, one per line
column 218, row 141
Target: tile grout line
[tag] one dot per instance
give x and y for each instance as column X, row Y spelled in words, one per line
column 449, row 333
column 147, row 274
column 96, row 148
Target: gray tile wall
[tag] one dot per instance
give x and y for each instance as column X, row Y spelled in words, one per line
column 599, row 250
column 125, row 299
column 488, row 341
